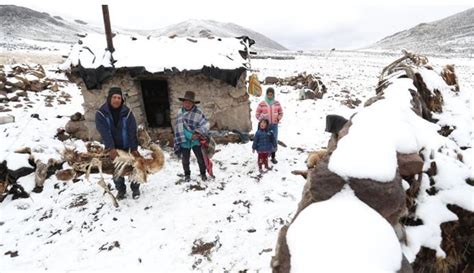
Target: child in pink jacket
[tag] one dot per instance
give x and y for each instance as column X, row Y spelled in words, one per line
column 271, row 110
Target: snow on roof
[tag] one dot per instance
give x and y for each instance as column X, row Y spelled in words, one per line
column 158, row 54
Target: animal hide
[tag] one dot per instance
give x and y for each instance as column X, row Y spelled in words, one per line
column 315, row 157
column 125, row 164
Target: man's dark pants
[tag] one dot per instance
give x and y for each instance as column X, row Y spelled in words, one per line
column 120, row 184
column 186, row 154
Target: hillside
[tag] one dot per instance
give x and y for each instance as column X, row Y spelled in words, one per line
column 20, row 24
column 208, row 28
column 453, row 34
column 24, row 28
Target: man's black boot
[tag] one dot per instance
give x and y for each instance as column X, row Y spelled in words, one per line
column 135, row 190
column 120, row 186
column 274, row 161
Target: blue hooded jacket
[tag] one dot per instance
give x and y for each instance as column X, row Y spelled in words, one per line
column 124, row 135
column 264, row 141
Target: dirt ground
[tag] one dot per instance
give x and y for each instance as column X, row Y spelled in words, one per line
column 30, row 57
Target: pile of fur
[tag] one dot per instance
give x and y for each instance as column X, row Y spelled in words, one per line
column 125, row 164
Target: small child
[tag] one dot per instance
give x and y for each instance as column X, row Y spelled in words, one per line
column 263, row 142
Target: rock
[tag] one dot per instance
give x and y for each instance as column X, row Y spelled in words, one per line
column 4, row 119
column 373, row 99
column 9, row 88
column 309, row 94
column 432, row 98
column 38, row 74
column 281, row 262
column 16, row 83
column 38, row 86
column 351, row 102
column 387, row 198
column 313, row 85
column 237, row 93
column 77, row 116
column 321, row 185
column 449, row 76
column 335, row 137
column 318, row 94
column 12, row 97
column 25, row 81
column 409, row 164
column 433, row 169
column 271, row 80
column 77, row 129
column 21, row 93
column 62, row 135
column 55, row 87
column 457, row 239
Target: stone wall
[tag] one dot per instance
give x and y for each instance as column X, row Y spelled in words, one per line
column 226, row 107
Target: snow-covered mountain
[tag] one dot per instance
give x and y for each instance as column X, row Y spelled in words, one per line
column 20, row 24
column 453, row 34
column 209, row 28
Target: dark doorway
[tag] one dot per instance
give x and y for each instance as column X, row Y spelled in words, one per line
column 157, row 103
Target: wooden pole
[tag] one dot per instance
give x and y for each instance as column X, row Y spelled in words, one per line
column 108, row 28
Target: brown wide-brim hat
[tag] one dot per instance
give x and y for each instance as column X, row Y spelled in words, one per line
column 189, row 96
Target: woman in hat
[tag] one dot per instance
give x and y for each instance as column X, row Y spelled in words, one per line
column 190, row 125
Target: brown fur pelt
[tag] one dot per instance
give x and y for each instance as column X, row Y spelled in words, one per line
column 315, row 157
column 311, row 162
column 125, row 164
column 141, row 167
column 65, row 175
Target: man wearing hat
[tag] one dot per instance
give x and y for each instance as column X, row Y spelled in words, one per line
column 190, row 124
column 118, row 129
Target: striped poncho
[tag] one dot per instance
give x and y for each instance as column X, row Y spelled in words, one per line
column 194, row 121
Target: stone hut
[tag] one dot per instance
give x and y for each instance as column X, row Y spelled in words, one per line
column 154, row 72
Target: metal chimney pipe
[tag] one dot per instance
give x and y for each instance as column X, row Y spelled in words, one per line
column 108, row 29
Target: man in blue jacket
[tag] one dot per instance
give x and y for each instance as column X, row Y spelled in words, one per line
column 118, row 129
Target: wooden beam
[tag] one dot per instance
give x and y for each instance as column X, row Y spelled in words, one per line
column 108, row 28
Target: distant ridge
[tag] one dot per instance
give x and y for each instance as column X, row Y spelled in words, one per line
column 453, row 34
column 20, row 23
column 206, row 28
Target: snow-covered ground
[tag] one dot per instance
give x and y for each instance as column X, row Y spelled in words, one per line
column 229, row 223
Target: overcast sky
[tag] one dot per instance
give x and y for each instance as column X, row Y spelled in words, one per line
column 296, row 24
